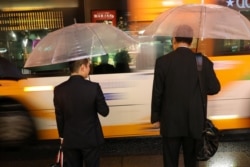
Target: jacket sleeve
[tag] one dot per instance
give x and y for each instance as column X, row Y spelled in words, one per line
column 59, row 113
column 157, row 91
column 101, row 105
column 211, row 81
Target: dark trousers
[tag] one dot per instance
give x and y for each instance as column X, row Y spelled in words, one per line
column 171, row 151
column 82, row 157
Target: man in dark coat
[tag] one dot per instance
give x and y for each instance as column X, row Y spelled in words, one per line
column 176, row 99
column 77, row 104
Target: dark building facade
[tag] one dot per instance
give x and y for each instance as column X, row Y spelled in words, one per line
column 23, row 23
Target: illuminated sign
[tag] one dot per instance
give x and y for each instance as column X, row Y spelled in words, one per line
column 26, row 5
column 239, row 3
column 104, row 16
column 31, row 20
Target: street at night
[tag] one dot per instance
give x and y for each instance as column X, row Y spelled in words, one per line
column 128, row 152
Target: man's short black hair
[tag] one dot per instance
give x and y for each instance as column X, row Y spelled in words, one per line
column 187, row 40
column 75, row 65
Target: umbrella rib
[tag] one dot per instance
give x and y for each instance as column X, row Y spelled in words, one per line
column 58, row 43
column 76, row 37
column 102, row 44
column 202, row 21
column 239, row 14
column 172, row 10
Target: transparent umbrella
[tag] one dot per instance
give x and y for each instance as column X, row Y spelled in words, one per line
column 207, row 21
column 78, row 41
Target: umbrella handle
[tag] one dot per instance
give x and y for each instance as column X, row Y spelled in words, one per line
column 197, row 45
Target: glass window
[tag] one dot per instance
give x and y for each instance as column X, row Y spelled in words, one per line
column 16, row 47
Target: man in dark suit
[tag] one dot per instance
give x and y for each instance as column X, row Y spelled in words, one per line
column 176, row 99
column 77, row 104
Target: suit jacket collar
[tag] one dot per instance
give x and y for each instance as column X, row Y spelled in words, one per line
column 76, row 77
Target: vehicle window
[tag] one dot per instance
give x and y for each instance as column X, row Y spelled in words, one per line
column 125, row 62
column 119, row 62
column 231, row 47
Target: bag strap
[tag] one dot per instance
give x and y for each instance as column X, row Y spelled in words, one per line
column 59, row 159
column 199, row 62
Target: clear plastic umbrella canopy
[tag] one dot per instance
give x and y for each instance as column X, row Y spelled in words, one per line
column 207, row 21
column 78, row 41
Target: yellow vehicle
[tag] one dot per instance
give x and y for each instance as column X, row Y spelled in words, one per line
column 26, row 105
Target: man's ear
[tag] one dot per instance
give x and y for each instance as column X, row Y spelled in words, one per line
column 82, row 67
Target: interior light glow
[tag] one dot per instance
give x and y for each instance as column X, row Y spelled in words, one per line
column 216, row 117
column 38, row 88
column 171, row 3
column 3, row 50
column 141, row 32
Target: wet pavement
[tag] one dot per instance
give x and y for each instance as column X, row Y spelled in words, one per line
column 128, row 152
column 232, row 152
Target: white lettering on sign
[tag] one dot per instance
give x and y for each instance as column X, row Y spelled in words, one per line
column 230, row 3
column 104, row 16
column 239, row 3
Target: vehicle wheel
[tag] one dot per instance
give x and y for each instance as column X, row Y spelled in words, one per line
column 16, row 128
